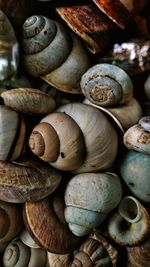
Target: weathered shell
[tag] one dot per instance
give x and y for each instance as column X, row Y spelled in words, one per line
column 106, row 85
column 29, row 100
column 51, row 53
column 30, row 181
column 138, row 136
column 88, row 199
column 10, row 221
column 101, row 147
column 131, row 224
column 18, row 254
column 12, row 134
column 135, row 169
column 45, row 222
column 90, row 24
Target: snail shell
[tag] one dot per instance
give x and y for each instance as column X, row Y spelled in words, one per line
column 138, row 256
column 27, row 182
column 88, row 200
column 135, row 169
column 52, row 54
column 28, row 100
column 120, row 11
column 10, row 221
column 138, row 136
column 106, row 84
column 12, row 134
column 147, row 88
column 27, row 239
column 90, row 24
column 45, row 222
column 18, row 254
column 59, row 139
column 135, row 222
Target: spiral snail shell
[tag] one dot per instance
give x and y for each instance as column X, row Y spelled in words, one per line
column 12, row 134
column 18, row 254
column 88, row 199
column 75, row 137
column 28, row 100
column 106, row 84
column 30, row 181
column 53, row 54
column 131, row 224
column 10, row 221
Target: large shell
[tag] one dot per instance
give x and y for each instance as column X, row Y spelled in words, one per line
column 101, row 147
column 45, row 222
column 27, row 182
column 12, row 134
column 88, row 200
column 29, row 100
column 52, row 54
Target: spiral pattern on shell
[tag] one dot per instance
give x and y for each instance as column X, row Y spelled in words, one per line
column 53, row 54
column 18, row 254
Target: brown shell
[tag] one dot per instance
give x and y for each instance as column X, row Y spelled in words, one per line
column 29, row 100
column 30, row 181
column 45, row 222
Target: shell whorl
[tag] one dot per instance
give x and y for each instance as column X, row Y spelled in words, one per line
column 10, row 221
column 130, row 226
column 106, row 84
column 18, row 254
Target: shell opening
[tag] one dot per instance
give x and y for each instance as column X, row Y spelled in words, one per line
column 129, row 209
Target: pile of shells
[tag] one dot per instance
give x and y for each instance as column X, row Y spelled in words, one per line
column 74, row 134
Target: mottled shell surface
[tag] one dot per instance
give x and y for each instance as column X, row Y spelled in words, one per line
column 30, row 182
column 101, row 146
column 12, row 133
column 29, row 100
column 135, row 168
column 106, row 85
column 88, row 199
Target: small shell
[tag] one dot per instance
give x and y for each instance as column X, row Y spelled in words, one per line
column 18, row 254
column 10, row 221
column 27, row 182
column 138, row 136
column 88, row 200
column 45, row 222
column 29, row 100
column 12, row 134
column 130, row 226
column 106, row 85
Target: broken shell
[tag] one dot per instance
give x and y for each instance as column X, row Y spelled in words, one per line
column 131, row 224
column 27, row 182
column 45, row 222
column 18, row 254
column 138, row 136
column 29, row 100
column 88, row 199
column 12, row 134
column 53, row 54
column 10, row 221
column 106, row 85
column 90, row 24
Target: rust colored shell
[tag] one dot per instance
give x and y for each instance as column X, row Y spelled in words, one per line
column 46, row 224
column 30, row 181
column 90, row 24
column 29, row 100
